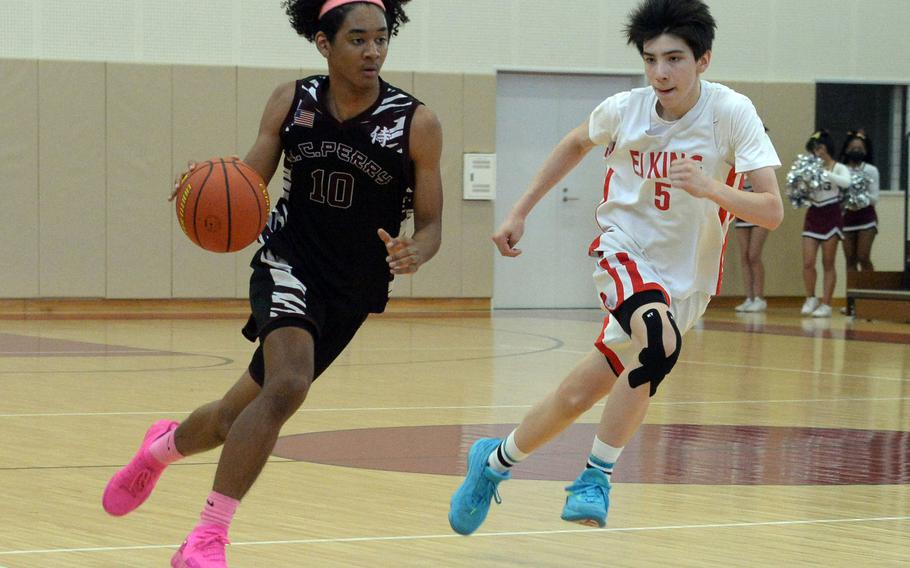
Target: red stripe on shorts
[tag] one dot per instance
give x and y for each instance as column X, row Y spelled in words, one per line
column 605, row 263
column 592, row 250
column 638, row 283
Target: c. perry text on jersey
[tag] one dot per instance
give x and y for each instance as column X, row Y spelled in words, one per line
column 343, row 152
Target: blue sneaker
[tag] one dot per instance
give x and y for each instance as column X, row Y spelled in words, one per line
column 588, row 500
column 471, row 502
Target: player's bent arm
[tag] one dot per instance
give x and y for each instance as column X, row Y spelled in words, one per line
column 839, row 176
column 761, row 206
column 564, row 157
column 263, row 156
column 426, row 151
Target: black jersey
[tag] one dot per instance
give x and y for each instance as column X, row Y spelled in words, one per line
column 342, row 182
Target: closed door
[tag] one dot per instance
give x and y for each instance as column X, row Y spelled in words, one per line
column 533, row 113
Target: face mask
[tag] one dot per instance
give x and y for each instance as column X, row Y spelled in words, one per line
column 856, row 155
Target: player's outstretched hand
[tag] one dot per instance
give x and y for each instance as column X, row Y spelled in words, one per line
column 508, row 235
column 687, row 174
column 404, row 253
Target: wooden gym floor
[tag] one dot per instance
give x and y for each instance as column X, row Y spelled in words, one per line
column 777, row 441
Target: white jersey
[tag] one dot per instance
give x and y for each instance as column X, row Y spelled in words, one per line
column 835, row 181
column 683, row 236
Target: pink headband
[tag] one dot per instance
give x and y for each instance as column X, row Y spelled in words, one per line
column 332, row 4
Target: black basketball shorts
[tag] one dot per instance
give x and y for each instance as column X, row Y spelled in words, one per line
column 281, row 296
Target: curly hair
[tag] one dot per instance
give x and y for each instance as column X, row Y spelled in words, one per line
column 305, row 20
column 689, row 20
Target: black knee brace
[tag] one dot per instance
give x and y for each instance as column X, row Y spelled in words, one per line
column 655, row 363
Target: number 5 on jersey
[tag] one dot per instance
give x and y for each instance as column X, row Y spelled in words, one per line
column 661, row 195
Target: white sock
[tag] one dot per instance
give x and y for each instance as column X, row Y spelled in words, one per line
column 603, row 457
column 506, row 455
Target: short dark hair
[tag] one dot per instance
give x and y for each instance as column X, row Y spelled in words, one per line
column 689, row 20
column 305, row 20
column 821, row 138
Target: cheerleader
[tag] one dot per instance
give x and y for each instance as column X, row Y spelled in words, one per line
column 751, row 239
column 860, row 220
column 823, row 227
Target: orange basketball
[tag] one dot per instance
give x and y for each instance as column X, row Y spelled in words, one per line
column 222, row 205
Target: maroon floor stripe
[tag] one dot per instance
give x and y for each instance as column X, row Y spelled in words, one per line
column 668, row 454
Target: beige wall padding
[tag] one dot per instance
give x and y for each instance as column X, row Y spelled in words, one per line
column 204, row 126
column 477, row 216
column 443, row 94
column 788, row 110
column 19, row 179
column 138, row 175
column 89, row 151
column 108, row 141
column 72, row 203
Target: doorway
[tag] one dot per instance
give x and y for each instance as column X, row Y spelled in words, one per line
column 533, row 113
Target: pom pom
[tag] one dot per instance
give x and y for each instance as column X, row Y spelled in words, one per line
column 856, row 196
column 805, row 176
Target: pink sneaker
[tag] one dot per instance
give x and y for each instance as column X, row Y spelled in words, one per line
column 133, row 484
column 203, row 548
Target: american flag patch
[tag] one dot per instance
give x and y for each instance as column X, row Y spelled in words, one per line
column 304, row 117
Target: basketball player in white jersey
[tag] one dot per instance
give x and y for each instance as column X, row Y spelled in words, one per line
column 672, row 152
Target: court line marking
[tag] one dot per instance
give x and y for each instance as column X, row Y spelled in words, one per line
column 226, row 361
column 476, row 535
column 466, row 407
column 492, row 407
column 137, row 352
column 785, row 370
column 775, row 369
column 142, row 351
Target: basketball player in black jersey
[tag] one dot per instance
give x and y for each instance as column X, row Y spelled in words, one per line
column 358, row 153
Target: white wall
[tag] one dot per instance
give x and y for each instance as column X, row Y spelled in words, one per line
column 768, row 40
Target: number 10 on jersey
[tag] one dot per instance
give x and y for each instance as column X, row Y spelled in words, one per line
column 336, row 189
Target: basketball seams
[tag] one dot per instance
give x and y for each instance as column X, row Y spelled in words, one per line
column 196, row 204
column 229, row 220
column 253, row 189
column 186, row 189
column 227, row 199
